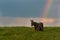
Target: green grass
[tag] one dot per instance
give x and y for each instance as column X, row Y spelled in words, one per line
column 26, row 33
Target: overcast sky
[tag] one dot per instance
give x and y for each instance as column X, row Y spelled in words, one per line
column 28, row 8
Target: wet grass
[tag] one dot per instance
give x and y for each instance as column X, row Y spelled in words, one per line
column 26, row 33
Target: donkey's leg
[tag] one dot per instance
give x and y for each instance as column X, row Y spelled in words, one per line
column 41, row 28
column 34, row 28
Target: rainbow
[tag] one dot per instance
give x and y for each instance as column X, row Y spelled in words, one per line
column 46, row 11
column 47, row 8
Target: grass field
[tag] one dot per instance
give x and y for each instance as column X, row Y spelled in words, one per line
column 26, row 33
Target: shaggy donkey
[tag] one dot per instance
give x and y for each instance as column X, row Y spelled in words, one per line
column 37, row 26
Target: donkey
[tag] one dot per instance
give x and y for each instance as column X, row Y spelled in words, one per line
column 37, row 26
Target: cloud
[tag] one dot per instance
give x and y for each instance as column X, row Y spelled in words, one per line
column 47, row 20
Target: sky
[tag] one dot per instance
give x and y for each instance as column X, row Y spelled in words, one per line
column 29, row 8
column 21, row 8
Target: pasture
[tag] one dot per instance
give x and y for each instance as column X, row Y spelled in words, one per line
column 26, row 33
